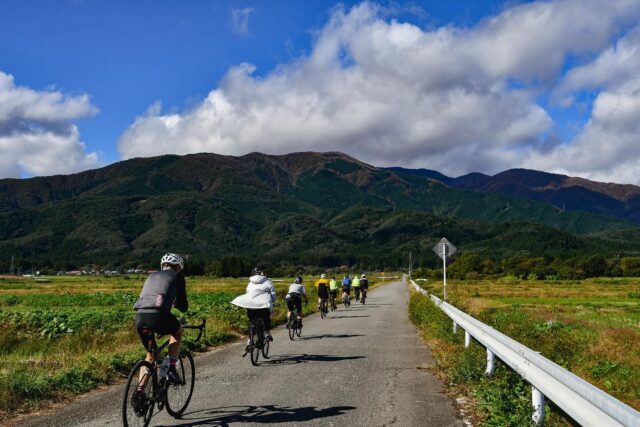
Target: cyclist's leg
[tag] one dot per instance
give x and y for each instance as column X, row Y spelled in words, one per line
column 290, row 303
column 266, row 316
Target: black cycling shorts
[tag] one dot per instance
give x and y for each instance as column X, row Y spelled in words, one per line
column 294, row 301
column 323, row 292
column 347, row 290
column 334, row 293
column 159, row 322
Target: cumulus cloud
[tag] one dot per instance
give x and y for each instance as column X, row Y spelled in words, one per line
column 36, row 133
column 240, row 20
column 392, row 93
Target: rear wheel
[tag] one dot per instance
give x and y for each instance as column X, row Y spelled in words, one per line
column 323, row 309
column 137, row 408
column 265, row 348
column 292, row 326
column 179, row 395
column 298, row 327
column 255, row 344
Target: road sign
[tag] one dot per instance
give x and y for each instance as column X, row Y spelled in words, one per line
column 444, row 248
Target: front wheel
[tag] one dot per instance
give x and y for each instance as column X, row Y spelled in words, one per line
column 137, row 407
column 179, row 395
column 265, row 347
column 298, row 328
column 323, row 310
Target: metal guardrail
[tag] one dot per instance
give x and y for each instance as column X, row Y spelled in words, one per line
column 585, row 403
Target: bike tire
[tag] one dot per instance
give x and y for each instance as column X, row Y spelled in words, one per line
column 298, row 328
column 265, row 348
column 292, row 328
column 255, row 346
column 323, row 313
column 179, row 395
column 131, row 418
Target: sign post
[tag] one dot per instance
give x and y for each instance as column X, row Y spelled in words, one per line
column 444, row 249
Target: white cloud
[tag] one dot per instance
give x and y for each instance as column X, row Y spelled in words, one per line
column 393, row 93
column 36, row 133
column 240, row 20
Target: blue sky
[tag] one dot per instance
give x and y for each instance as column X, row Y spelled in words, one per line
column 151, row 77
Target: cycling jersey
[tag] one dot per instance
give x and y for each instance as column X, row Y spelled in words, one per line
column 162, row 290
column 323, row 288
column 297, row 288
column 364, row 283
column 356, row 282
column 333, row 285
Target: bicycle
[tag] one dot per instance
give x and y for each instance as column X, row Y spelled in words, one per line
column 332, row 301
column 258, row 341
column 294, row 324
column 363, row 294
column 137, row 408
column 356, row 291
column 346, row 300
column 323, row 308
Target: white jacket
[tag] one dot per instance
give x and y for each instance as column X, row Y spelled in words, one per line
column 260, row 294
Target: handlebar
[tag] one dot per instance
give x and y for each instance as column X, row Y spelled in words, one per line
column 200, row 327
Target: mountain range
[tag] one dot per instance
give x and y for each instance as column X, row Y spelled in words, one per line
column 308, row 208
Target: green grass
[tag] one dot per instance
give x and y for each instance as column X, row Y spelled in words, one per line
column 590, row 327
column 66, row 335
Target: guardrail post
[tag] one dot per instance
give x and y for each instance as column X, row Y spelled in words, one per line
column 455, row 328
column 467, row 339
column 491, row 363
column 537, row 400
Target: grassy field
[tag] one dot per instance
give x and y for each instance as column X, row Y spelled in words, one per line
column 590, row 327
column 61, row 336
column 66, row 335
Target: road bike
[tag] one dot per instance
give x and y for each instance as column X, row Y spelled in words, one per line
column 324, row 310
column 346, row 300
column 294, row 324
column 363, row 295
column 332, row 301
column 356, row 291
column 151, row 378
column 258, row 341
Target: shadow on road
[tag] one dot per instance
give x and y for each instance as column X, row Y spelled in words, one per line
column 344, row 317
column 259, row 415
column 318, row 337
column 291, row 359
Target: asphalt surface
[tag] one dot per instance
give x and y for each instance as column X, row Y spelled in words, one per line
column 358, row 367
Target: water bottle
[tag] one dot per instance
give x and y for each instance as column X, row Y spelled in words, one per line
column 164, row 369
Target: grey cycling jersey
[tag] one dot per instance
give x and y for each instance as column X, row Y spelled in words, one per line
column 161, row 290
column 297, row 288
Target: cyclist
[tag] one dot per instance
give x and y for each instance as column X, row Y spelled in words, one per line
column 346, row 287
column 294, row 298
column 333, row 291
column 364, row 286
column 161, row 291
column 258, row 299
column 323, row 288
column 355, row 284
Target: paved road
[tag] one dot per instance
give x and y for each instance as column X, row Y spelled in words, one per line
column 358, row 367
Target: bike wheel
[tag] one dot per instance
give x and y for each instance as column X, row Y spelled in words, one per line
column 323, row 314
column 254, row 346
column 292, row 327
column 298, row 328
column 137, row 410
column 265, row 348
column 179, row 395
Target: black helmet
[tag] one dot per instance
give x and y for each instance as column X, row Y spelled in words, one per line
column 257, row 270
column 298, row 280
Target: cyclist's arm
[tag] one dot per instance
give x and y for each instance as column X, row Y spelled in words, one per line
column 181, row 302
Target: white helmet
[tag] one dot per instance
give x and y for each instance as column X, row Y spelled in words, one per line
column 322, row 276
column 172, row 259
column 364, row 276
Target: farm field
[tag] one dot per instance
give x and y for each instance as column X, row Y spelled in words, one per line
column 66, row 335
column 591, row 327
